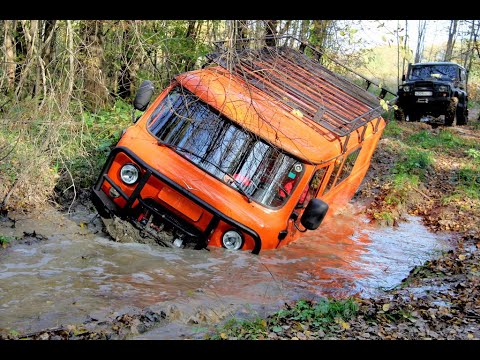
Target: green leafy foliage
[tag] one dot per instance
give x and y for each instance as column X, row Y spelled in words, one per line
column 5, row 240
column 414, row 162
column 102, row 130
column 320, row 314
column 303, row 314
column 428, row 140
column 392, row 130
column 474, row 154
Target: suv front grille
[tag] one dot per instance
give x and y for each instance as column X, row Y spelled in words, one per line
column 423, row 85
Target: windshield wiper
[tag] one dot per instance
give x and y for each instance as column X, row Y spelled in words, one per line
column 177, row 149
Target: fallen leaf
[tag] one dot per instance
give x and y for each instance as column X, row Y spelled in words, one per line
column 345, row 325
column 461, row 257
column 301, row 336
column 277, row 329
column 223, row 336
column 470, row 336
column 385, row 307
column 297, row 112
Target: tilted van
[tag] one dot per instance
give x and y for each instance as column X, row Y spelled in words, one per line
column 246, row 153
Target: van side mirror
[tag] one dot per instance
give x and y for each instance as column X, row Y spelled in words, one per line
column 314, row 213
column 403, row 77
column 144, row 95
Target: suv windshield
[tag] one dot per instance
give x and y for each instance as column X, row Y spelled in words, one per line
column 429, row 72
column 222, row 148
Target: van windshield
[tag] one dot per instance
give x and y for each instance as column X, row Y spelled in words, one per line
column 220, row 147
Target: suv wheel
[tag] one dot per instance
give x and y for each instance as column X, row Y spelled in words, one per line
column 451, row 112
column 462, row 115
column 414, row 116
column 399, row 114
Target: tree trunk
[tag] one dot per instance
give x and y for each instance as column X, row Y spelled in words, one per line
column 304, row 30
column 28, row 84
column 452, row 32
column 319, row 35
column 294, row 32
column 422, row 27
column 285, row 28
column 473, row 42
column 96, row 93
column 71, row 62
column 10, row 53
column 191, row 36
column 49, row 35
column 271, row 32
column 20, row 50
column 129, row 67
column 241, row 33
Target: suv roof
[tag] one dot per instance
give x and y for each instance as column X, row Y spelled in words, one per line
column 439, row 63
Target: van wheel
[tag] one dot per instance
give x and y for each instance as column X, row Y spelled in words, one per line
column 123, row 231
column 451, row 112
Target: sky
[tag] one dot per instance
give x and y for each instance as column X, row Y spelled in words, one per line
column 437, row 31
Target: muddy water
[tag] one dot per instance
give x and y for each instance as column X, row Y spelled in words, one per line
column 78, row 274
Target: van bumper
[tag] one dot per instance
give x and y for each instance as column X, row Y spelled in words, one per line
column 106, row 207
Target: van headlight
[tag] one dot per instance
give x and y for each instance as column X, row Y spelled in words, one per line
column 443, row 88
column 406, row 88
column 232, row 240
column 129, row 174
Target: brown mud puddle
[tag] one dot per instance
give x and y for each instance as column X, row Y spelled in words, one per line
column 78, row 275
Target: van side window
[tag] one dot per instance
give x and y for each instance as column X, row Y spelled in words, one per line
column 333, row 174
column 347, row 166
column 339, row 172
column 313, row 186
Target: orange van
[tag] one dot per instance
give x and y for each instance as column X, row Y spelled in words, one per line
column 246, row 153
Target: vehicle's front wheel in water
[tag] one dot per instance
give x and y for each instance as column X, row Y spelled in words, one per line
column 123, row 231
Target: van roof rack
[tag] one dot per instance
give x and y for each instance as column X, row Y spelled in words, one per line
column 303, row 84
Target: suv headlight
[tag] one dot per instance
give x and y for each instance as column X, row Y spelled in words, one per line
column 129, row 174
column 443, row 88
column 232, row 240
column 406, row 88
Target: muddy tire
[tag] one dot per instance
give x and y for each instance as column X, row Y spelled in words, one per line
column 451, row 112
column 399, row 114
column 462, row 115
column 414, row 117
column 123, row 231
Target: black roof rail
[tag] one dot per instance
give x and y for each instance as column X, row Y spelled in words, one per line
column 302, row 84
